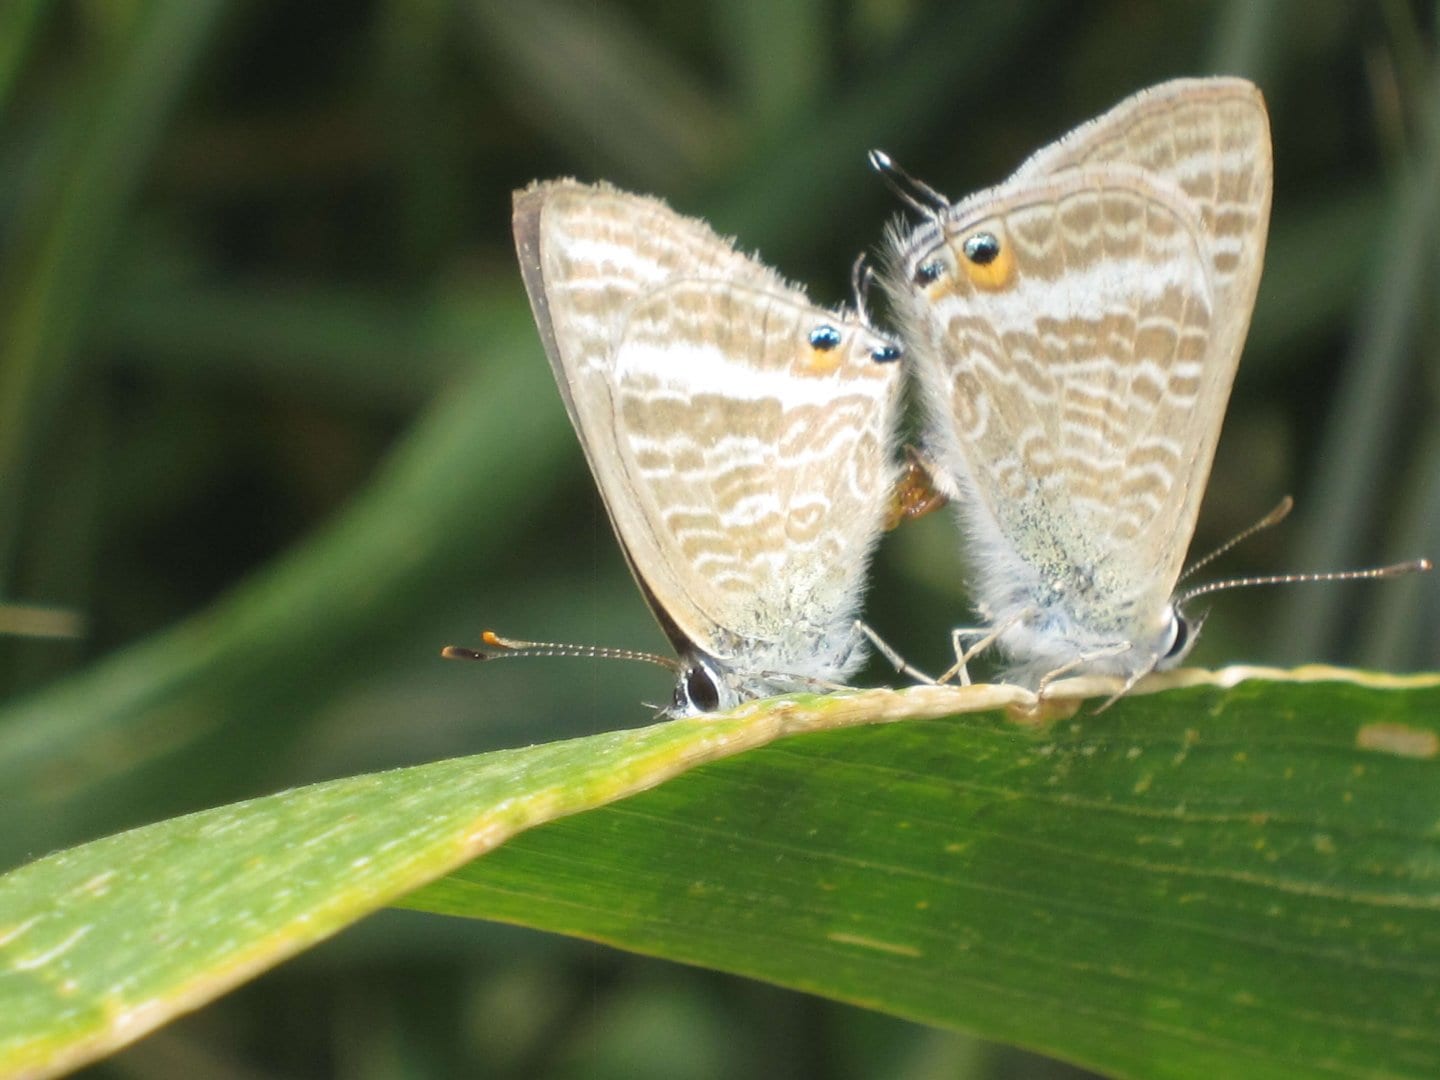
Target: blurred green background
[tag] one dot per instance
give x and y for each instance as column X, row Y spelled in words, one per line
column 275, row 425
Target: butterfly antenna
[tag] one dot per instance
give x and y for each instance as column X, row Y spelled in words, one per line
column 1274, row 517
column 495, row 647
column 861, row 277
column 916, row 194
column 1414, row 566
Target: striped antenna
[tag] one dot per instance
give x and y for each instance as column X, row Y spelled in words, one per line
column 495, row 647
column 1414, row 566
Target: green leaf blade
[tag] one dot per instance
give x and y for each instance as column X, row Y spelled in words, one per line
column 104, row 942
column 1217, row 883
column 1235, row 878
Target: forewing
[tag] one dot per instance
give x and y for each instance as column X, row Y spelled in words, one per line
column 588, row 253
column 1064, row 378
column 1208, row 137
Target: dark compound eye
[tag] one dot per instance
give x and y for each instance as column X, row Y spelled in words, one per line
column 698, row 689
column 928, row 272
column 982, row 249
column 886, row 354
column 1182, row 636
column 824, row 338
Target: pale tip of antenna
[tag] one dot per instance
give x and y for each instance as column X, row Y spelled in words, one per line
column 1280, row 513
column 880, row 161
column 1400, row 569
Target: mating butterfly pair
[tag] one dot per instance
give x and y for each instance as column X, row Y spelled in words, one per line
column 1075, row 332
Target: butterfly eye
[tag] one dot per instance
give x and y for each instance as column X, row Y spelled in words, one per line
column 824, row 338
column 886, row 354
column 697, row 690
column 1182, row 638
column 927, row 273
column 982, row 249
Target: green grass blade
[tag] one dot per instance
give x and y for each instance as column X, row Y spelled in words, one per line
column 606, row 86
column 1378, row 377
column 790, row 189
column 1237, row 879
column 237, row 671
column 775, row 53
column 330, row 343
column 1244, row 37
column 18, row 21
column 51, row 277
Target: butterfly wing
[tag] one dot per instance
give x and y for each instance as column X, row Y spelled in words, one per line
column 1211, row 139
column 1076, row 381
column 758, row 464
column 745, row 469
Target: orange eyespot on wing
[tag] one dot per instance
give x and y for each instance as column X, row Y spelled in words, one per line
column 825, row 352
column 986, row 257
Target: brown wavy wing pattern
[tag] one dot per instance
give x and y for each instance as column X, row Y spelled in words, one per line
column 1071, row 391
column 758, row 464
column 1209, row 137
column 745, row 471
column 588, row 252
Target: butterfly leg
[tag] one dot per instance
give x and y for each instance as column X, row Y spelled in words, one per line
column 1080, row 661
column 819, row 686
column 963, row 656
column 988, row 635
column 1130, row 682
column 782, row 682
column 885, row 649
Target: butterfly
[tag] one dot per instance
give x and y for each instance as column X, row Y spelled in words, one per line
column 1075, row 332
column 741, row 437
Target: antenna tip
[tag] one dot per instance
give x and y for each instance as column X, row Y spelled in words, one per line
column 880, row 161
column 1414, row 566
column 458, row 652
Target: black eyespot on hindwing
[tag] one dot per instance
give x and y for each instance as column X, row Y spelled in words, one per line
column 928, row 272
column 982, row 249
